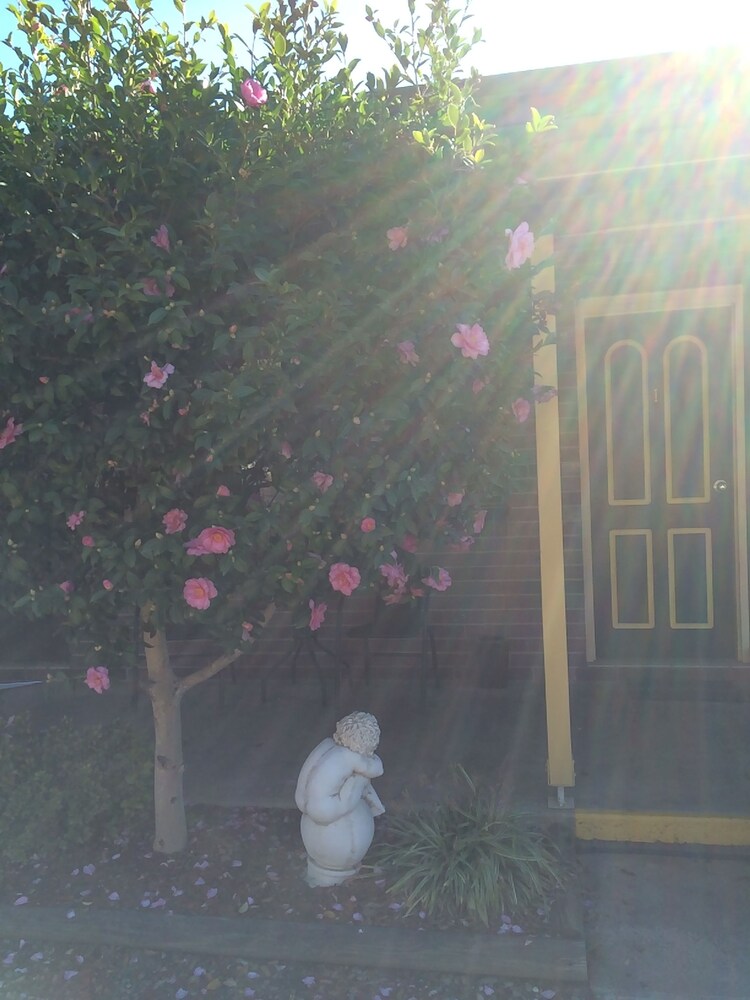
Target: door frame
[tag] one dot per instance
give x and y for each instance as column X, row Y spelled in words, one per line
column 667, row 301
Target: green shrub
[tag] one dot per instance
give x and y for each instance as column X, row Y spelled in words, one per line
column 470, row 859
column 69, row 785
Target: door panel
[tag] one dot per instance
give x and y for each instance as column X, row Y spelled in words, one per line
column 661, row 485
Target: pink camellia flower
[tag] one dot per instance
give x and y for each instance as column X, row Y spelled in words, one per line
column 286, row 449
column 398, row 237
column 223, row 491
column 151, row 286
column 322, row 480
column 410, row 543
column 317, row 614
column 395, row 575
column 88, row 541
column 253, row 94
column 478, row 384
column 174, row 521
column 406, row 353
column 107, row 584
column 367, row 525
column 344, row 578
column 73, row 520
column 156, row 378
column 44, row 379
column 161, row 238
column 441, row 582
column 455, row 499
column 67, row 587
column 148, row 87
column 472, row 340
column 479, row 518
column 520, row 246
column 199, row 592
column 247, row 628
column 211, row 540
column 10, row 432
column 521, row 409
column 97, row 678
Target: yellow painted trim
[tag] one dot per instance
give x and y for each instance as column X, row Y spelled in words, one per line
column 560, row 770
column 611, row 419
column 648, row 534
column 709, row 571
column 662, row 828
column 585, row 473
column 668, row 402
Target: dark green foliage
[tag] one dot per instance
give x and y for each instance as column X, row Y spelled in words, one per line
column 70, row 786
column 471, row 859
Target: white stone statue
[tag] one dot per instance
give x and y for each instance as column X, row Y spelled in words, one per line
column 337, row 800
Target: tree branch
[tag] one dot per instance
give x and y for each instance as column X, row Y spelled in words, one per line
column 221, row 662
column 210, row 670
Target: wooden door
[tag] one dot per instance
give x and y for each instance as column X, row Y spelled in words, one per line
column 659, row 391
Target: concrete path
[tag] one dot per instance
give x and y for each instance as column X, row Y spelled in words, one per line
column 667, row 925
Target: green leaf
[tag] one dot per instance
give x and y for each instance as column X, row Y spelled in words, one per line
column 279, row 45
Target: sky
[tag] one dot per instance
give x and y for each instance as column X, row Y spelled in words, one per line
column 528, row 34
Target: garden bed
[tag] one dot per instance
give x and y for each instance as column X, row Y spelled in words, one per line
column 237, row 895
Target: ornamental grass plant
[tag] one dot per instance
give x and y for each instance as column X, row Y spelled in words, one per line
column 470, row 858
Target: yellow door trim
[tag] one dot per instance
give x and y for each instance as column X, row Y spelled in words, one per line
column 560, row 770
column 662, row 828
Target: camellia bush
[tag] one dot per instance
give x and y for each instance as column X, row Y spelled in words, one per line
column 264, row 332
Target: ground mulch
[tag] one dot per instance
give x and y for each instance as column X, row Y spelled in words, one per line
column 241, row 863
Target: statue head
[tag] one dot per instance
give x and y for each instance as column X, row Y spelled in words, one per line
column 359, row 732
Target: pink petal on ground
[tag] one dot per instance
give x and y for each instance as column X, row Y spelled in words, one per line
column 21, row 901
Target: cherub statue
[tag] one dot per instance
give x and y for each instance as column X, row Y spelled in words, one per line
column 337, row 800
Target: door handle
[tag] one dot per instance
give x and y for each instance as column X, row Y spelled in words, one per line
column 720, row 486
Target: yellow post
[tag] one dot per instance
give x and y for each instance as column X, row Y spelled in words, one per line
column 560, row 771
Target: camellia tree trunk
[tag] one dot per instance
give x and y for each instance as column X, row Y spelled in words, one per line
column 170, row 834
column 166, row 691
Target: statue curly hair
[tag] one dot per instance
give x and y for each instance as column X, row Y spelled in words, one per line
column 359, row 732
